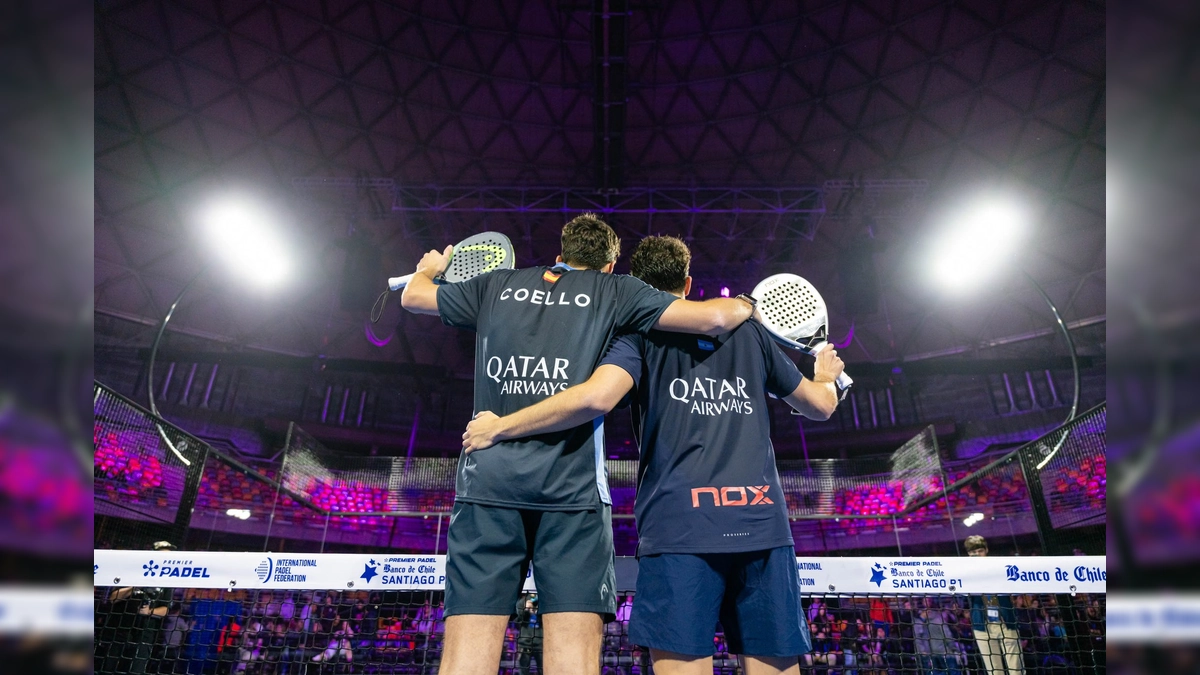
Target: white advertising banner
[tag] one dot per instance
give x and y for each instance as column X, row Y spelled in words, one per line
column 928, row 576
column 218, row 569
column 1159, row 618
column 46, row 610
column 893, row 576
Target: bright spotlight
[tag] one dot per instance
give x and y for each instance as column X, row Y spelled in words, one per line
column 977, row 240
column 972, row 519
column 240, row 514
column 724, row 291
column 244, row 233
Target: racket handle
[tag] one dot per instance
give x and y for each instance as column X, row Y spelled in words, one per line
column 843, row 381
column 397, row 283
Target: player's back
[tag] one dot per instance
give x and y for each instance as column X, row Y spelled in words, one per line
column 541, row 330
column 707, row 480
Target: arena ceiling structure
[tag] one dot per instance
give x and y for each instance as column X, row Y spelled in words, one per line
column 821, row 138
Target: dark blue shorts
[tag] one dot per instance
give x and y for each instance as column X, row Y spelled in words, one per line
column 755, row 595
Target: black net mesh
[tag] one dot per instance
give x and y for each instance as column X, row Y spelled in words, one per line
column 146, row 472
column 164, row 630
column 319, row 500
column 1072, row 468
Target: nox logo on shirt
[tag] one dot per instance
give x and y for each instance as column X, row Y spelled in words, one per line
column 710, row 396
column 736, row 495
column 533, row 375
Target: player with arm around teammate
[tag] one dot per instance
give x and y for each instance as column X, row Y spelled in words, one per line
column 544, row 499
column 714, row 541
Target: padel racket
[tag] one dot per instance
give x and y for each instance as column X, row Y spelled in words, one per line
column 475, row 255
column 794, row 313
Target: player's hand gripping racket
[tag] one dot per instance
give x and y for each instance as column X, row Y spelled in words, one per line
column 794, row 313
column 475, row 255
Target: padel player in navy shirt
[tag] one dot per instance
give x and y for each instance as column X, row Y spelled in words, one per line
column 543, row 498
column 714, row 542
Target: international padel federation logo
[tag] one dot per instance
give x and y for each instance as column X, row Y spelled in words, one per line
column 264, row 570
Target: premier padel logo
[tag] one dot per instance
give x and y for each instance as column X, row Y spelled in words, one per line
column 150, row 569
column 736, row 495
column 710, row 396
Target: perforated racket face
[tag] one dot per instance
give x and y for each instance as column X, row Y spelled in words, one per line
column 480, row 254
column 791, row 307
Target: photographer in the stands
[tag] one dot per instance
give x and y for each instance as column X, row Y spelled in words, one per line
column 140, row 612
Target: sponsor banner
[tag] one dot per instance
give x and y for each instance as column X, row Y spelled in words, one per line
column 1135, row 618
column 924, row 576
column 48, row 610
column 910, row 576
column 218, row 569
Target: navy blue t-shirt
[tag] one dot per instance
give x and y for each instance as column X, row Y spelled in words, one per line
column 541, row 330
column 707, row 481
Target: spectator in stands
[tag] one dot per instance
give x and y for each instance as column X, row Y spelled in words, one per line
column 529, row 637
column 994, row 623
column 427, row 616
column 309, row 609
column 852, row 637
column 623, row 611
column 339, row 643
column 175, row 628
column 141, row 612
column 294, row 649
column 815, row 609
column 904, row 628
column 875, row 653
column 824, row 648
column 329, row 609
column 275, row 642
column 934, row 643
column 822, row 621
column 881, row 615
column 253, row 643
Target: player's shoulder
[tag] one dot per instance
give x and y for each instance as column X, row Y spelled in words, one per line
column 751, row 330
column 626, row 282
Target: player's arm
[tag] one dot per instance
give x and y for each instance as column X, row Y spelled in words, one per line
column 708, row 317
column 568, row 408
column 420, row 295
column 818, row 398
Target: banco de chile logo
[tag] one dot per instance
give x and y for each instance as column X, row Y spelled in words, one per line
column 877, row 577
column 369, row 572
column 264, row 570
column 151, row 569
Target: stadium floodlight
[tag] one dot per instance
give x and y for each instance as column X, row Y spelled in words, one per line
column 240, row 514
column 976, row 241
column 245, row 234
column 972, row 519
column 978, row 237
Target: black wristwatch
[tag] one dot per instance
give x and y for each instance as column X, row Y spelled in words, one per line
column 747, row 298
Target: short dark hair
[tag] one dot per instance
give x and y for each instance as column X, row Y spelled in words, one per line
column 589, row 242
column 662, row 262
column 974, row 542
